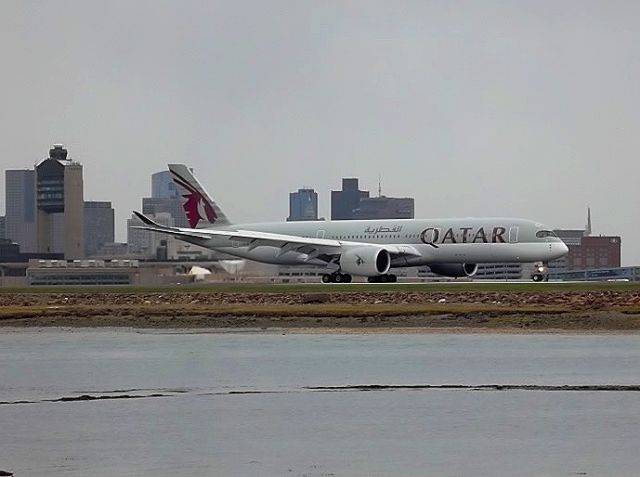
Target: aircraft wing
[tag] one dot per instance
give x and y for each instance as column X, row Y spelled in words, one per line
column 313, row 247
column 250, row 238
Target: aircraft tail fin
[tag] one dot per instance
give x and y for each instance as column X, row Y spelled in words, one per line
column 200, row 209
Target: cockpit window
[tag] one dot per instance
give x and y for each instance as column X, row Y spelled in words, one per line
column 545, row 234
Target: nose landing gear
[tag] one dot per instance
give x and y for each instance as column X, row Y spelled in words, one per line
column 540, row 272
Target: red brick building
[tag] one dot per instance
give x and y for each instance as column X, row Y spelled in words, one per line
column 595, row 252
column 588, row 251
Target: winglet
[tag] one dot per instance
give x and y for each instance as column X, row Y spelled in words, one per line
column 147, row 221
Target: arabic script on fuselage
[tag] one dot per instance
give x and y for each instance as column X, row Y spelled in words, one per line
column 383, row 230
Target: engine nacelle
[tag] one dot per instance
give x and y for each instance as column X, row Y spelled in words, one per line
column 365, row 261
column 455, row 270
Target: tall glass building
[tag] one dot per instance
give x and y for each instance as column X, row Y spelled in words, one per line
column 162, row 186
column 303, row 205
column 20, row 200
column 98, row 226
column 345, row 201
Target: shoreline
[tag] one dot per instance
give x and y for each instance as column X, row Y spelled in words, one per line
column 470, row 322
column 598, row 311
column 324, row 331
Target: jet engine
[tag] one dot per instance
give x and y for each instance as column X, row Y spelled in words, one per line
column 365, row 261
column 455, row 270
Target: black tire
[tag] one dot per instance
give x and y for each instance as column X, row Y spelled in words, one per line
column 347, row 278
column 371, row 279
column 326, row 278
column 383, row 278
column 537, row 277
column 338, row 278
column 393, row 278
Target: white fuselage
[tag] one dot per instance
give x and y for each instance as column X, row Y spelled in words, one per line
column 427, row 241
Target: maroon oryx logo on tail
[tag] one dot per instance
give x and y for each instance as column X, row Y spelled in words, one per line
column 196, row 207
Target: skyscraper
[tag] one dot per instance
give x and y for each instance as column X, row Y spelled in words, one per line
column 60, row 205
column 345, row 201
column 162, row 186
column 303, row 205
column 98, row 226
column 383, row 207
column 165, row 199
column 20, row 200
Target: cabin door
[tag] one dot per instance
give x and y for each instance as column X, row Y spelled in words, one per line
column 513, row 235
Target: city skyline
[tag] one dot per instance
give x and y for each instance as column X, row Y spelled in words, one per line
column 47, row 213
column 520, row 110
column 165, row 206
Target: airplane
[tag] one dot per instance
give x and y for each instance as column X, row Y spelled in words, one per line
column 452, row 247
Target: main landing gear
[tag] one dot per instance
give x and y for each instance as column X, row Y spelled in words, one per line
column 388, row 278
column 336, row 277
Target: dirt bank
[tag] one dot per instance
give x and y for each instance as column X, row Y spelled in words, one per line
column 617, row 311
column 583, row 300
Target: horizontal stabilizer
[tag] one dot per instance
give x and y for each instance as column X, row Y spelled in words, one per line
column 178, row 233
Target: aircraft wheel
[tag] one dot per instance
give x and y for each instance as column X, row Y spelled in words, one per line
column 338, row 278
column 371, row 279
column 326, row 278
column 392, row 278
column 347, row 278
column 383, row 278
column 537, row 277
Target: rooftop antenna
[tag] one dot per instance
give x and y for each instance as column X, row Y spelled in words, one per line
column 379, row 185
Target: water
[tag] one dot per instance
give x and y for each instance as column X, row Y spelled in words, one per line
column 239, row 404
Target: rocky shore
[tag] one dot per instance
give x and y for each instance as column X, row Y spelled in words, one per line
column 589, row 300
column 592, row 311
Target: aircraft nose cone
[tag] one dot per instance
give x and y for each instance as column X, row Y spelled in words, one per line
column 559, row 249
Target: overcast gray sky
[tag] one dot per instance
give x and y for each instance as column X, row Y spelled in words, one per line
column 510, row 108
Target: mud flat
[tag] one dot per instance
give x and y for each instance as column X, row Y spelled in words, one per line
column 411, row 310
column 597, row 322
